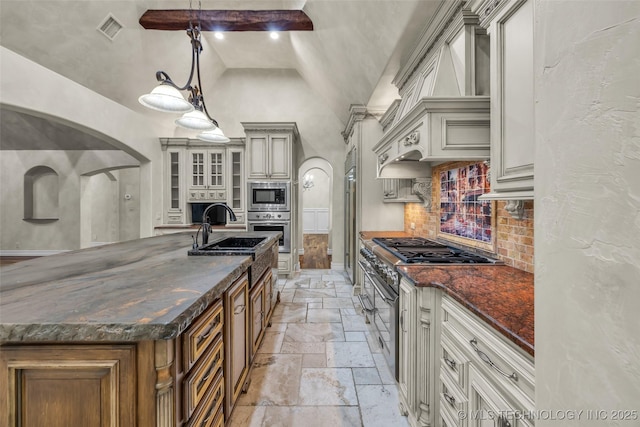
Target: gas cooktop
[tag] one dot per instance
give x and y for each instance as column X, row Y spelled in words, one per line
column 415, row 250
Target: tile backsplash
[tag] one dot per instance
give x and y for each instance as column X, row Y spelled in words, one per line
column 513, row 238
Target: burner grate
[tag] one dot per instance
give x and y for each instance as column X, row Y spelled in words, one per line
column 417, row 250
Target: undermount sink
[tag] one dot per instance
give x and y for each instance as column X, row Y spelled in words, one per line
column 229, row 246
column 241, row 243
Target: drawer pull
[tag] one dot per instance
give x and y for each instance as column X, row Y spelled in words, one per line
column 450, row 399
column 450, row 362
column 206, row 376
column 206, row 334
column 486, row 359
column 213, row 405
column 239, row 309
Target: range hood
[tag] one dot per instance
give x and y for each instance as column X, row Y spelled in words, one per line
column 435, row 130
column 444, row 111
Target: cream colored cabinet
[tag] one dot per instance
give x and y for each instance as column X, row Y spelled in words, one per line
column 196, row 173
column 482, row 373
column 174, row 169
column 271, row 150
column 207, row 175
column 269, row 156
column 418, row 346
column 236, row 337
column 406, row 345
column 510, row 28
column 398, row 190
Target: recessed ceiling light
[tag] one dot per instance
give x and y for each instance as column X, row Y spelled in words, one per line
column 219, row 35
column 274, row 35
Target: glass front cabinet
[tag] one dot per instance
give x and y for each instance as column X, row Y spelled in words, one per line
column 197, row 172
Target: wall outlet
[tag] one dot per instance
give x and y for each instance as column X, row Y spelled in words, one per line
column 413, row 225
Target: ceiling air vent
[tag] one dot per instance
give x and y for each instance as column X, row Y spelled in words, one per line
column 110, row 27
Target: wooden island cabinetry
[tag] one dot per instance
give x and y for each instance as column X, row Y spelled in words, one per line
column 177, row 356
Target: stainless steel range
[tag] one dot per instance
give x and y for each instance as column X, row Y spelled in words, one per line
column 379, row 298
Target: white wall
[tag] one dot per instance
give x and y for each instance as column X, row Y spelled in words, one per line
column 587, row 222
column 254, row 95
column 67, row 232
column 28, row 87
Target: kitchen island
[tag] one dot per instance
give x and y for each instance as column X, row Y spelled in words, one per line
column 130, row 333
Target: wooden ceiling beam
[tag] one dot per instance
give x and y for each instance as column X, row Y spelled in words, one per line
column 227, row 20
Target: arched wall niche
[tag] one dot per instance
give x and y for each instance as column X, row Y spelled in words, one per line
column 41, row 189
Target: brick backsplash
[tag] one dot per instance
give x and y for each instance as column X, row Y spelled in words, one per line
column 513, row 238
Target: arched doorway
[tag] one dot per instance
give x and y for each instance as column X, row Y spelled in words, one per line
column 315, row 184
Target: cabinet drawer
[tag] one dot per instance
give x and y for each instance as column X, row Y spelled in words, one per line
column 211, row 413
column 453, row 362
column 452, row 401
column 490, row 352
column 201, row 334
column 199, row 380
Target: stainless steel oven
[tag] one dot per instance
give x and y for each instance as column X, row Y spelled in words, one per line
column 381, row 282
column 272, row 221
column 380, row 303
column 269, row 196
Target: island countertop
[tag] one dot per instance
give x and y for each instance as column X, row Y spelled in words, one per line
column 143, row 289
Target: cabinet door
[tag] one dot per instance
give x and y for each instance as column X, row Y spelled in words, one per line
column 279, row 166
column 60, row 386
column 406, row 344
column 268, row 297
column 257, row 315
column 512, row 101
column 236, row 179
column 257, row 152
column 489, row 406
column 198, row 169
column 390, row 189
column 236, row 340
column 215, row 169
column 174, row 192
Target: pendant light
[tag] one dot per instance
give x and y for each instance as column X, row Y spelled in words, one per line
column 214, row 135
column 166, row 97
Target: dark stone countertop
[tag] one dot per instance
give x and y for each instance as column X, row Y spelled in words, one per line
column 143, row 289
column 500, row 295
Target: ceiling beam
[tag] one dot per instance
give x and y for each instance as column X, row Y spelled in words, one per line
column 227, row 20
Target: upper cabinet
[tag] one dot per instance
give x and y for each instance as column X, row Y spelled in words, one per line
column 207, row 175
column 202, row 172
column 271, row 150
column 510, row 28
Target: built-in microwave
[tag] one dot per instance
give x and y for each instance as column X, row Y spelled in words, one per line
column 269, row 196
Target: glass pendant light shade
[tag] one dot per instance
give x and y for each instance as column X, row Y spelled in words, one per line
column 167, row 99
column 215, row 135
column 195, row 120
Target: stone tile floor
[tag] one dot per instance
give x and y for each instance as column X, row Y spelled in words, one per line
column 317, row 365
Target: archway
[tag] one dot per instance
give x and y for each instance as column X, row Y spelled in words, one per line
column 315, row 178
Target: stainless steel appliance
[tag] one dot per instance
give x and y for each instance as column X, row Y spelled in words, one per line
column 269, row 196
column 272, row 221
column 379, row 298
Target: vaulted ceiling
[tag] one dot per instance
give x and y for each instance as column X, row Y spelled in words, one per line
column 351, row 56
